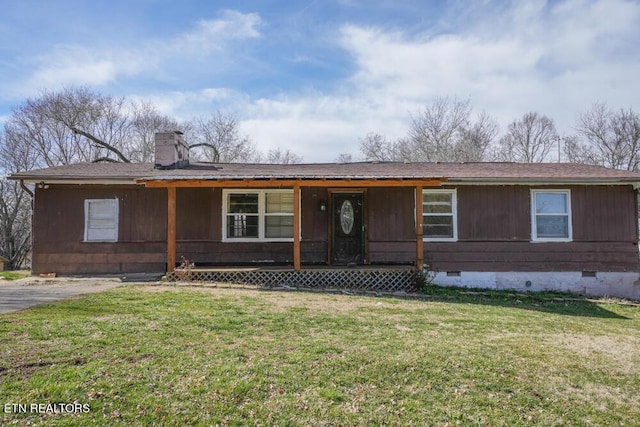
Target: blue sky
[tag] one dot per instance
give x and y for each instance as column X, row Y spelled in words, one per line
column 315, row 76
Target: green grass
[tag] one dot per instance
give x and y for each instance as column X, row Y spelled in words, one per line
column 189, row 356
column 14, row 275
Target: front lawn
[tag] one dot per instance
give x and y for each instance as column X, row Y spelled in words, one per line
column 142, row 355
column 15, row 275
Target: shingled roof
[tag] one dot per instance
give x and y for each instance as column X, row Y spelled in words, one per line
column 452, row 172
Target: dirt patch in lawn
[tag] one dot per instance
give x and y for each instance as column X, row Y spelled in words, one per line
column 621, row 352
column 281, row 301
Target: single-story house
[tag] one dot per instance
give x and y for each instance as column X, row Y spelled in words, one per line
column 499, row 225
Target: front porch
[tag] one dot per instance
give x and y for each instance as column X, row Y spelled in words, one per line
column 361, row 278
column 320, row 222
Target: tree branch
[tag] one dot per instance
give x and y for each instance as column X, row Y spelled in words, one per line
column 101, row 143
column 105, row 159
column 202, row 144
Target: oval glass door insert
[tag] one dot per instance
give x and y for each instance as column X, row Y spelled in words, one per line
column 346, row 217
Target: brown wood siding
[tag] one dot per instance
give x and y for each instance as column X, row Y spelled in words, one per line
column 391, row 228
column 230, row 253
column 199, row 214
column 525, row 256
column 392, row 252
column 493, row 229
column 200, row 232
column 604, row 213
column 494, row 213
column 314, row 222
column 314, row 246
column 58, row 231
column 503, row 213
column 494, row 232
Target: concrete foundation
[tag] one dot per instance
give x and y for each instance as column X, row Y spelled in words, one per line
column 615, row 284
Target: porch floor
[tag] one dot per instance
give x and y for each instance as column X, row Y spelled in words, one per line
column 362, row 277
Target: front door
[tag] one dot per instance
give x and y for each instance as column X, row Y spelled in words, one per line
column 347, row 245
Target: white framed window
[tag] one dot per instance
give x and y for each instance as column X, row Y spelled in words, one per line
column 257, row 215
column 440, row 215
column 101, row 220
column 551, row 216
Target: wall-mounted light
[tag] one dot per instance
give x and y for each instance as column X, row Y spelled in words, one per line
column 323, row 205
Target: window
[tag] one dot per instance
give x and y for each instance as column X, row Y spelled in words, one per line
column 278, row 215
column 242, row 215
column 551, row 215
column 101, row 220
column 265, row 215
column 439, row 215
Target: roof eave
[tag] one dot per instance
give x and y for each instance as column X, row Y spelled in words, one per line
column 545, row 181
column 74, row 180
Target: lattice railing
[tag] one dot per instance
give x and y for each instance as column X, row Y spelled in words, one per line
column 364, row 279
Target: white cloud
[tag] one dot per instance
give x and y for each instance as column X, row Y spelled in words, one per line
column 533, row 57
column 95, row 66
column 316, row 126
column 77, row 65
column 213, row 33
column 313, row 125
column 556, row 59
column 185, row 105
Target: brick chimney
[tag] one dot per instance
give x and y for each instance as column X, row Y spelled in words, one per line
column 172, row 152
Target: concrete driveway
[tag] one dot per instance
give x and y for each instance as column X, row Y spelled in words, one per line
column 24, row 293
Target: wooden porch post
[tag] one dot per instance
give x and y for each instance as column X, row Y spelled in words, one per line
column 171, row 229
column 296, row 226
column 419, row 229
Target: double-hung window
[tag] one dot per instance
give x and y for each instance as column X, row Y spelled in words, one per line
column 101, row 220
column 439, row 215
column 263, row 215
column 551, row 215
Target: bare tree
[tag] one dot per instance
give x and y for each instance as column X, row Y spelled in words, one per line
column 73, row 125
column 145, row 122
column 435, row 133
column 376, row 147
column 610, row 138
column 345, row 158
column 475, row 139
column 444, row 131
column 53, row 141
column 282, row 156
column 528, row 140
column 576, row 152
column 80, row 125
column 15, row 203
column 15, row 228
column 217, row 138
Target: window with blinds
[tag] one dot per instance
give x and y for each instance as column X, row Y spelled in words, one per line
column 101, row 220
column 264, row 215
